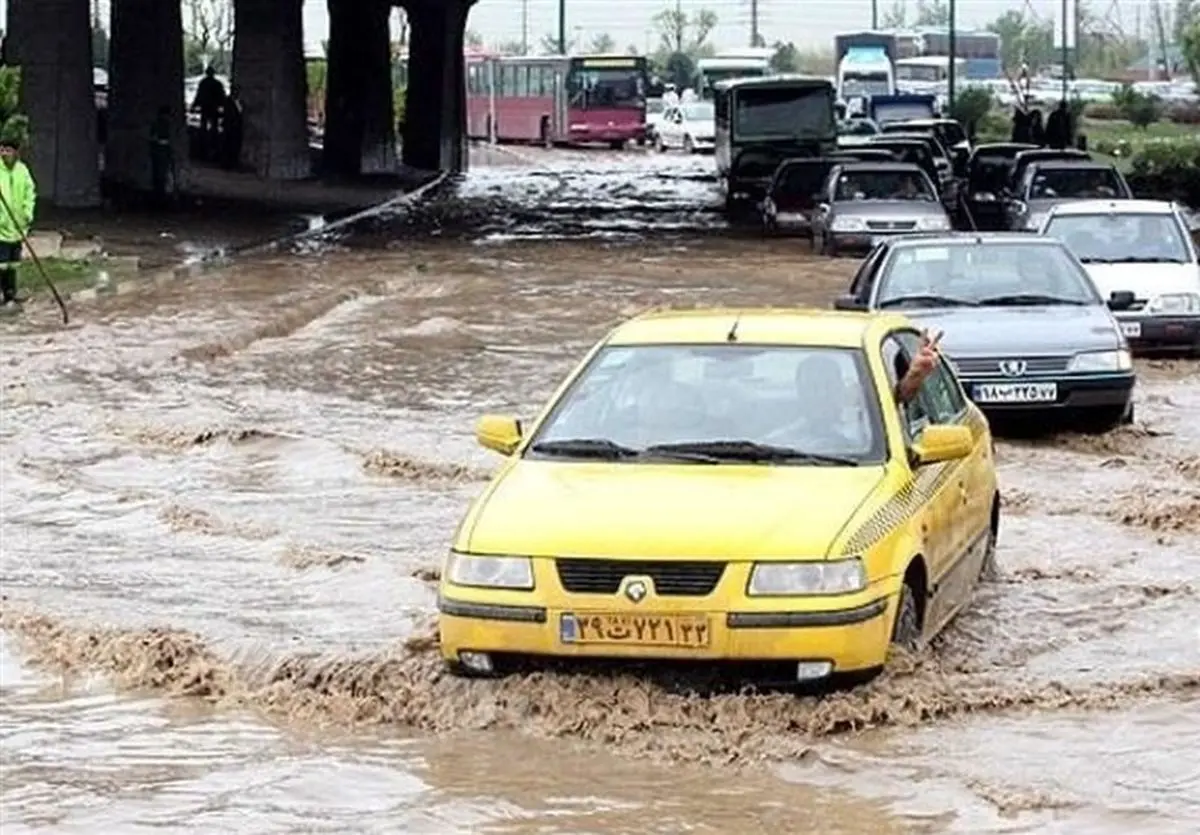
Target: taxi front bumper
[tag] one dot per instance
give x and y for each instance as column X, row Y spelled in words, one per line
column 851, row 638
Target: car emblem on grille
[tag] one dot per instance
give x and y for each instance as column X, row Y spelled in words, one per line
column 1013, row 368
column 636, row 591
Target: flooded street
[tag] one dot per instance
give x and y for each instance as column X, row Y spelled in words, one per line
column 225, row 501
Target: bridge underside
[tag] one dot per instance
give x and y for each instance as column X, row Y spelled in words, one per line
column 51, row 41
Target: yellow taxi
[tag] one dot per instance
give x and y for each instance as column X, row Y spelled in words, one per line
column 728, row 485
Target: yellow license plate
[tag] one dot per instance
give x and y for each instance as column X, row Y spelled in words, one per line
column 689, row 632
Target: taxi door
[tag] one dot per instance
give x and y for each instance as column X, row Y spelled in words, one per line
column 934, row 486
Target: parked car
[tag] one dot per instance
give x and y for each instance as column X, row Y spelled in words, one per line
column 724, row 486
column 1024, row 325
column 1142, row 248
column 865, row 202
column 1047, row 184
column 793, row 194
column 690, row 126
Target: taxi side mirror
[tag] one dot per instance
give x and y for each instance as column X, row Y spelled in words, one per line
column 499, row 433
column 1121, row 300
column 940, row 442
column 848, row 302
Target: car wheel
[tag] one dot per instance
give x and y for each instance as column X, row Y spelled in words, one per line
column 659, row 145
column 988, row 570
column 688, row 147
column 1106, row 418
column 906, row 631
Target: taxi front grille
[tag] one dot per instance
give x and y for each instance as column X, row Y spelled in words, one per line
column 672, row 578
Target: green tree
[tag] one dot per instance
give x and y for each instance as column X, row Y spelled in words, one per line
column 896, row 17
column 510, row 48
column 679, row 32
column 548, row 45
column 207, row 34
column 1187, row 12
column 1141, row 109
column 786, row 58
column 1024, row 39
column 933, row 13
column 473, row 39
column 1190, row 45
column 602, row 44
column 12, row 121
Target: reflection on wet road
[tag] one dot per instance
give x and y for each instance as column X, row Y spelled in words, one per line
column 223, row 501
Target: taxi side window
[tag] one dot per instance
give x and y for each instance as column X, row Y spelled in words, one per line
column 914, row 415
column 941, row 397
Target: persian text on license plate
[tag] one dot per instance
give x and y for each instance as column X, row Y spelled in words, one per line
column 1016, row 392
column 690, row 632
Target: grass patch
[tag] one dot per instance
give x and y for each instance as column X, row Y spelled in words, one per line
column 68, row 275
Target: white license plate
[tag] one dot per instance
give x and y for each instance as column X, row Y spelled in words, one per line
column 1132, row 330
column 1016, row 392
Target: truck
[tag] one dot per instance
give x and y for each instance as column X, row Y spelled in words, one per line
column 865, row 67
column 762, row 121
column 752, row 62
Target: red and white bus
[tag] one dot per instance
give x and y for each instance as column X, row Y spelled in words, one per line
column 557, row 99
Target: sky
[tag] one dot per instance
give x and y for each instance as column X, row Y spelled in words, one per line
column 807, row 23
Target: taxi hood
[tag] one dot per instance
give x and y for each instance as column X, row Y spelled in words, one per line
column 667, row 510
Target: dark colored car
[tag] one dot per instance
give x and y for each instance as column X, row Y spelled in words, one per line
column 1024, row 159
column 792, row 194
column 988, row 172
column 1024, row 325
column 863, row 203
column 948, row 132
column 1047, row 184
column 916, row 151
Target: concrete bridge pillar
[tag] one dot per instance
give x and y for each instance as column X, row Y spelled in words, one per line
column 435, row 113
column 52, row 40
column 268, row 70
column 360, row 134
column 145, row 73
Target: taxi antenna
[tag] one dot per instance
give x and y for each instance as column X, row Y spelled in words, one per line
column 732, row 335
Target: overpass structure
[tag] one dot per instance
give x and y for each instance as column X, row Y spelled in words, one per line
column 51, row 41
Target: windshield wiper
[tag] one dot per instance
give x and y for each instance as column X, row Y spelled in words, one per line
column 585, row 448
column 930, row 299
column 1026, row 299
column 750, row 451
column 1139, row 259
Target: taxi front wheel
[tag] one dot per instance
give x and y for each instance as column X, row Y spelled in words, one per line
column 906, row 632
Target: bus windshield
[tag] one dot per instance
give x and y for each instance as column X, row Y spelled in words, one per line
column 784, row 112
column 606, row 83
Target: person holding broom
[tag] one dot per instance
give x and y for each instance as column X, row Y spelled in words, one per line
column 19, row 194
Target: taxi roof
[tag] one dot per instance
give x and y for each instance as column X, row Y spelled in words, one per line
column 757, row 326
column 1118, row 207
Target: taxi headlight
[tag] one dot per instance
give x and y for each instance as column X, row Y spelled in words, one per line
column 1102, row 361
column 1185, row 303
column 798, row 578
column 489, row 572
column 848, row 224
column 930, row 224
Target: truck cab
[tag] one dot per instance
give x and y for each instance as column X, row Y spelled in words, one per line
column 863, row 73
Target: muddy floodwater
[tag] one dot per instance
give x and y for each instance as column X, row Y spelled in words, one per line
column 225, row 501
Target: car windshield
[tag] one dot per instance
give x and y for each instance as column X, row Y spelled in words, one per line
column 1121, row 238
column 788, row 112
column 1075, row 183
column 858, row 127
column 699, row 112
column 801, row 178
column 697, row 402
column 951, row 133
column 983, row 274
column 883, row 185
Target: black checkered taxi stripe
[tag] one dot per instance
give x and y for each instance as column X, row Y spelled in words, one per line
column 899, row 508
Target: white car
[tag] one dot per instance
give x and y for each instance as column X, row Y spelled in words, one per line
column 1141, row 256
column 690, row 126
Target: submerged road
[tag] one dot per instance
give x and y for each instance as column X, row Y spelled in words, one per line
column 224, row 503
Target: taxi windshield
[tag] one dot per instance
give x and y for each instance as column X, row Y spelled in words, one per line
column 860, row 185
column 983, row 274
column 714, row 403
column 1121, row 238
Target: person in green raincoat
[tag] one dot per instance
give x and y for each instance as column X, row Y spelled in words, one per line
column 16, row 216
